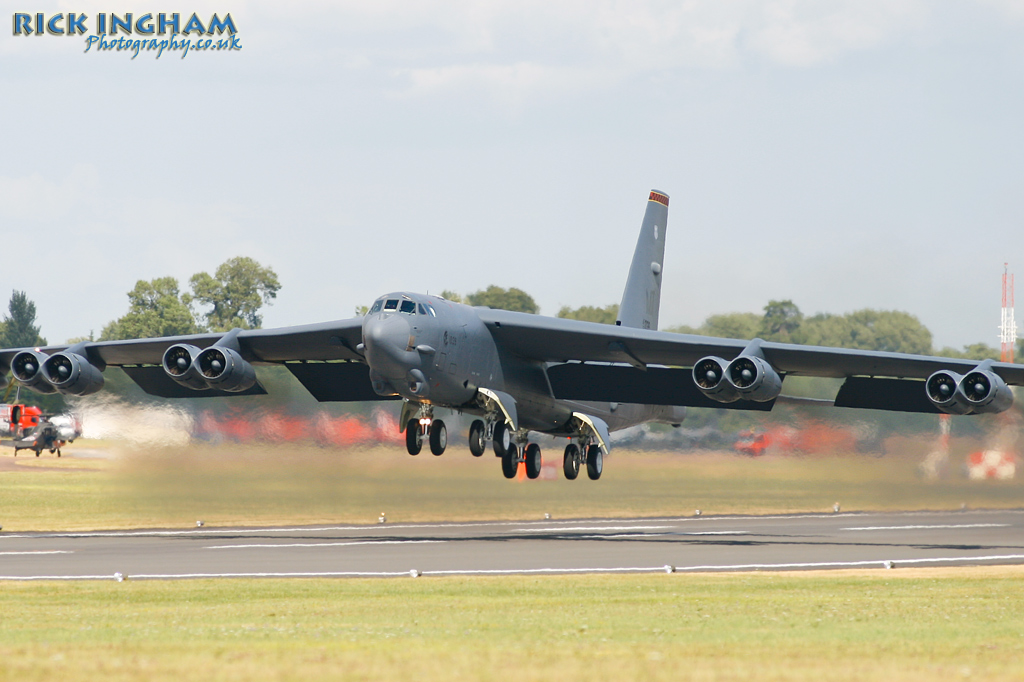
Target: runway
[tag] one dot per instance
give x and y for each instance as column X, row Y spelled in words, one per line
column 573, row 546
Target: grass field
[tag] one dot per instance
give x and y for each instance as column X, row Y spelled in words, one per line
column 231, row 484
column 903, row 624
column 939, row 624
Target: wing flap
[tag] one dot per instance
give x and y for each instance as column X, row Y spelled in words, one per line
column 896, row 395
column 336, row 381
column 154, row 381
column 625, row 384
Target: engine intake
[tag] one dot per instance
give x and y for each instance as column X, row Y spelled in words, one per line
column 986, row 392
column 224, row 369
column 945, row 390
column 179, row 364
column 709, row 375
column 27, row 368
column 72, row 374
column 754, row 379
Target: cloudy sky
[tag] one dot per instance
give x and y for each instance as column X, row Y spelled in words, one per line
column 848, row 154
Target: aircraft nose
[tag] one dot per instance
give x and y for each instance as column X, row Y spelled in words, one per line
column 386, row 338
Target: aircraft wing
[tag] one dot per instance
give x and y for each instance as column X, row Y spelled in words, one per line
column 875, row 379
column 327, row 342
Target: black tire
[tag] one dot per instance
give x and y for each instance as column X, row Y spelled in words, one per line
column 477, row 445
column 571, row 461
column 413, row 437
column 502, row 439
column 533, row 460
column 595, row 462
column 510, row 461
column 438, row 437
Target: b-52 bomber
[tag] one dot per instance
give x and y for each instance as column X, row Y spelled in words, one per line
column 518, row 373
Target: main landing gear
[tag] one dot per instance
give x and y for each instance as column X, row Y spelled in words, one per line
column 575, row 457
column 424, row 425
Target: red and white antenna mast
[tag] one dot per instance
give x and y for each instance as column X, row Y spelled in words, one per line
column 1008, row 328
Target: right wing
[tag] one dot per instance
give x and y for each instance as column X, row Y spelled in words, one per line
column 323, row 357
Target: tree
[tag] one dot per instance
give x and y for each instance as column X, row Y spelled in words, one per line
column 781, row 322
column 505, row 299
column 19, row 326
column 883, row 330
column 589, row 313
column 240, row 287
column 732, row 326
column 154, row 309
column 975, row 351
column 452, row 296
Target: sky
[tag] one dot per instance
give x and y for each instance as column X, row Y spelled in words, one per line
column 845, row 155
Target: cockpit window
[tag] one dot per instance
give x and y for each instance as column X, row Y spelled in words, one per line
column 392, row 304
column 430, row 310
column 409, row 307
column 422, row 310
column 377, row 305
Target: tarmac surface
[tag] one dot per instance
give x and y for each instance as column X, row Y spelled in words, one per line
column 566, row 546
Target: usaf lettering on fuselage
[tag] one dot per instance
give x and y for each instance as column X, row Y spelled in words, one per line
column 75, row 24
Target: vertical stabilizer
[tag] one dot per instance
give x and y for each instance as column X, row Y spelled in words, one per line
column 641, row 300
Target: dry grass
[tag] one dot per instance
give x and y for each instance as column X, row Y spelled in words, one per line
column 255, row 485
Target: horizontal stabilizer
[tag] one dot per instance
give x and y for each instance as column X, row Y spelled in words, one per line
column 154, row 381
column 897, row 395
column 625, row 384
column 336, row 381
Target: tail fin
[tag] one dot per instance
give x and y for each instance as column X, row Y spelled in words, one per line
column 641, row 300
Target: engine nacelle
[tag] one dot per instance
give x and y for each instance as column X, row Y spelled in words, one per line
column 754, row 379
column 27, row 368
column 179, row 363
column 72, row 374
column 709, row 375
column 945, row 390
column 225, row 370
column 986, row 392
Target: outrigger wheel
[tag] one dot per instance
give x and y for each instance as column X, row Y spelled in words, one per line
column 413, row 437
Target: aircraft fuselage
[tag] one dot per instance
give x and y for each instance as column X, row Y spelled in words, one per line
column 437, row 352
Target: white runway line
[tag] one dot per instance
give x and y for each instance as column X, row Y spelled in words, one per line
column 46, row 551
column 327, row 544
column 958, row 525
column 586, row 528
column 531, row 571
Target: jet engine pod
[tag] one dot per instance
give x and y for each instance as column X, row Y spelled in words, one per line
column 986, row 392
column 944, row 389
column 225, row 370
column 72, row 374
column 709, row 375
column 179, row 364
column 27, row 368
column 754, row 379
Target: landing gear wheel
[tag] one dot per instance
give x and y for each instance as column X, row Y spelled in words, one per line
column 595, row 462
column 413, row 437
column 502, row 439
column 438, row 437
column 510, row 461
column 533, row 460
column 477, row 445
column 58, row 452
column 571, row 461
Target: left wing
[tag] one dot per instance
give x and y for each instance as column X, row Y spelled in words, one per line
column 875, row 379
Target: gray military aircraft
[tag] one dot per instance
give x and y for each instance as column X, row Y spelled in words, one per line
column 520, row 373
